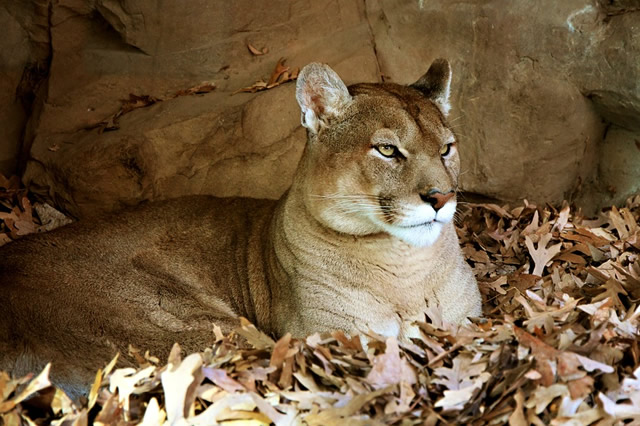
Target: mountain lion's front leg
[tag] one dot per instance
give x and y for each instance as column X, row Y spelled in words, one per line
column 459, row 297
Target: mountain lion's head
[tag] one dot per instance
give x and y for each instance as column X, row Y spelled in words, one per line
column 380, row 157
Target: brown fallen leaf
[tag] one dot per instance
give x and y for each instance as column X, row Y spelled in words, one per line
column 39, row 383
column 220, row 378
column 257, row 52
column 127, row 105
column 542, row 254
column 620, row 224
column 389, row 368
column 177, row 384
column 619, row 411
column 20, row 220
column 572, row 258
column 200, row 89
column 563, row 219
column 281, row 74
column 517, row 418
column 341, row 415
column 277, row 74
column 153, row 414
column 254, row 336
column 544, row 395
column 135, row 102
column 581, row 388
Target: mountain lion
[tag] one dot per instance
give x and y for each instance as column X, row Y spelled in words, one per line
column 362, row 240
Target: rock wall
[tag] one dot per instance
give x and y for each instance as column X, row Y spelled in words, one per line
column 24, row 55
column 546, row 94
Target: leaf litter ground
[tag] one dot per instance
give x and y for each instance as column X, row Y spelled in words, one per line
column 558, row 344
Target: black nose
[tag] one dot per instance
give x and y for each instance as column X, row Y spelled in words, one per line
column 436, row 198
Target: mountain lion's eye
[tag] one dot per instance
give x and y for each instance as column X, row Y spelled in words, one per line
column 445, row 150
column 387, row 150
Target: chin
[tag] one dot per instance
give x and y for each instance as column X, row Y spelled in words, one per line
column 418, row 236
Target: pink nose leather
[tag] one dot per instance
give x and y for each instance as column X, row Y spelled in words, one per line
column 437, row 199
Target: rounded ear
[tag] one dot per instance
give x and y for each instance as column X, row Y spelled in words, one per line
column 321, row 95
column 435, row 84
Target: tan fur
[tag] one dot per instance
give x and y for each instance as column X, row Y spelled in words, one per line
column 323, row 257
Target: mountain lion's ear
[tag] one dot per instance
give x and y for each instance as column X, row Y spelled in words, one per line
column 321, row 95
column 436, row 84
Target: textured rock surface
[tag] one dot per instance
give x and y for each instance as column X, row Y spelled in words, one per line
column 546, row 94
column 246, row 144
column 24, row 56
column 619, row 169
column 14, row 58
column 528, row 129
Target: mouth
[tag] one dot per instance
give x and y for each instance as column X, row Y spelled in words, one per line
column 423, row 234
column 419, row 225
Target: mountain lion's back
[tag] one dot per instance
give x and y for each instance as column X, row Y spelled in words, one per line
column 160, row 272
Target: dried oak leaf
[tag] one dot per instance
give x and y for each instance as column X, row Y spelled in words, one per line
column 281, row 74
column 562, row 219
column 542, row 254
column 39, row 383
column 619, row 411
column 497, row 284
column 341, row 415
column 200, row 89
column 128, row 105
column 221, row 379
column 581, row 388
column 280, row 351
column 612, row 288
column 457, row 399
column 255, row 337
column 545, row 316
column 277, row 74
column 153, row 414
column 500, row 211
column 548, row 357
column 389, row 368
column 623, row 221
column 178, row 384
column 517, row 418
column 135, row 102
column 461, row 380
column 20, row 220
column 543, row 395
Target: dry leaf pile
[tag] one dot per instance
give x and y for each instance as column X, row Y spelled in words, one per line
column 558, row 345
column 18, row 217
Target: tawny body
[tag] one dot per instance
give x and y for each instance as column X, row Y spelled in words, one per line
column 362, row 240
column 359, row 283
column 78, row 295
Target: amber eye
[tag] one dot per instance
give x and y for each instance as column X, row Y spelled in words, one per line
column 387, row 150
column 445, row 150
